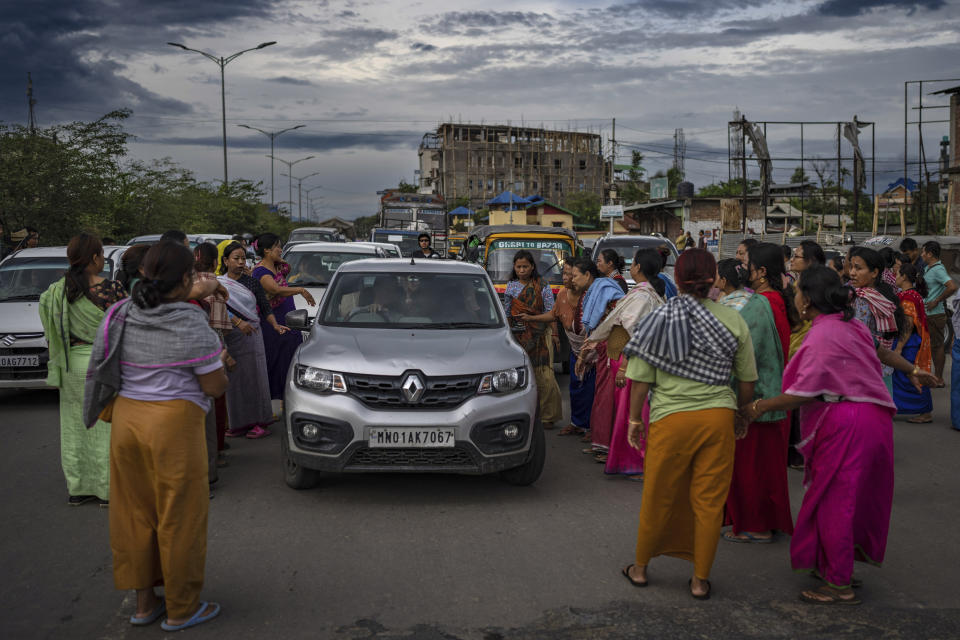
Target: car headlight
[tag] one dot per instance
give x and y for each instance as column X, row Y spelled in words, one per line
column 503, row 381
column 320, row 379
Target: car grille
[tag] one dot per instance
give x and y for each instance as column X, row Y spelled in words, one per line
column 25, row 373
column 384, row 391
column 455, row 457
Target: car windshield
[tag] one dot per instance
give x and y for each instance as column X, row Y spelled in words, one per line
column 316, row 268
column 312, row 236
column 500, row 264
column 411, row 301
column 627, row 247
column 26, row 278
column 406, row 241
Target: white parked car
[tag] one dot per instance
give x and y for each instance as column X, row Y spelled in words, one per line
column 312, row 265
column 24, row 275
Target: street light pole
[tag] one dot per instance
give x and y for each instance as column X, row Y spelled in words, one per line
column 289, row 172
column 272, row 135
column 299, row 191
column 222, row 62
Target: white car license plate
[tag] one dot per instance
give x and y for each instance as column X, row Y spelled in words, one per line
column 19, row 361
column 417, row 438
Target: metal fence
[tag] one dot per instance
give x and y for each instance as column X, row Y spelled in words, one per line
column 728, row 241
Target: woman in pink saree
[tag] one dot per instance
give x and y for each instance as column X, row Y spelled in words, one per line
column 846, row 421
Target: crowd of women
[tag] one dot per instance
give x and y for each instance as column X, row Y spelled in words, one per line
column 689, row 384
column 145, row 403
column 702, row 388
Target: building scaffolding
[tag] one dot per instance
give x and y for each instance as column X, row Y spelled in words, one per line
column 479, row 161
column 923, row 173
column 740, row 131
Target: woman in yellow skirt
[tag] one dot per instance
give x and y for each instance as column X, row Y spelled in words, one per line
column 684, row 353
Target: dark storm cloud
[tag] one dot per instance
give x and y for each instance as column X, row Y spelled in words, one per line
column 678, row 9
column 422, row 46
column 473, row 23
column 345, row 44
column 846, row 8
column 75, row 49
column 290, row 80
column 304, row 141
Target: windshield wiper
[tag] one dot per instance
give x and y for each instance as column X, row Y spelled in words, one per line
column 24, row 296
column 454, row 325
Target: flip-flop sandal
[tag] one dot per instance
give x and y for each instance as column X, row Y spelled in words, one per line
column 703, row 596
column 150, row 619
column 626, row 574
column 195, row 619
column 570, row 430
column 833, row 598
column 856, row 583
column 912, row 421
column 730, row 537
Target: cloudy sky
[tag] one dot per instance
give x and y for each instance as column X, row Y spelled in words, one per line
column 369, row 78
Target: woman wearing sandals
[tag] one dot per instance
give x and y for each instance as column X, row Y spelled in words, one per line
column 847, row 428
column 279, row 346
column 581, row 389
column 155, row 365
column 686, row 351
column 616, row 330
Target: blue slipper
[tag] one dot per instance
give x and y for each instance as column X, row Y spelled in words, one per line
column 730, row 537
column 195, row 619
column 150, row 619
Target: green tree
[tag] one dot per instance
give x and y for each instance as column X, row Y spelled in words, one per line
column 799, row 176
column 406, row 187
column 730, row 189
column 586, row 206
column 633, row 190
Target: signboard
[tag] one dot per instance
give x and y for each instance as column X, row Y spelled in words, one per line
column 611, row 211
column 659, row 189
column 543, row 245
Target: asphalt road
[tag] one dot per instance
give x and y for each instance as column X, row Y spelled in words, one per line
column 393, row 556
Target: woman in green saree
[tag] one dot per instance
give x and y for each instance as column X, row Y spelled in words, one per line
column 758, row 503
column 71, row 311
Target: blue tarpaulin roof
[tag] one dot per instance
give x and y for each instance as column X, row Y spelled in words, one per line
column 461, row 211
column 911, row 185
column 508, row 197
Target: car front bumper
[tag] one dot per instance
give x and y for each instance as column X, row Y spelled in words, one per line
column 348, row 422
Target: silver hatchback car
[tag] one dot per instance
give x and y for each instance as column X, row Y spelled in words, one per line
column 410, row 366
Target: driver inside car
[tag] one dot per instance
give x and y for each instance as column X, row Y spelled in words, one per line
column 386, row 304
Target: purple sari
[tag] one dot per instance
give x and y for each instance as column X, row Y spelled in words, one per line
column 279, row 349
column 847, row 446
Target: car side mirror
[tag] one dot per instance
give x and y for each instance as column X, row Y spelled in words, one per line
column 298, row 320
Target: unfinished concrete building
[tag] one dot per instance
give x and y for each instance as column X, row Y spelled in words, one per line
column 482, row 160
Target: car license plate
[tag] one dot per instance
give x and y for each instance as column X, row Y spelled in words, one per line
column 19, row 361
column 418, row 438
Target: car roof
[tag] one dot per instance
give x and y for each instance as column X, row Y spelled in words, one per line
column 340, row 247
column 40, row 252
column 329, row 229
column 409, row 265
column 625, row 240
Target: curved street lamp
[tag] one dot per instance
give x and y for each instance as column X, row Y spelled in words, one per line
column 223, row 62
column 272, row 135
column 300, row 191
column 290, row 170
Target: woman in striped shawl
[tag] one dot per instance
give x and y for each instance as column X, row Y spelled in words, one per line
column 684, row 353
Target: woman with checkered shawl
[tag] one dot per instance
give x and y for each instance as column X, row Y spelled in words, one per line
column 683, row 354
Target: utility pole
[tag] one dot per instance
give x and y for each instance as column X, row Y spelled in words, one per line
column 743, row 169
column 30, row 104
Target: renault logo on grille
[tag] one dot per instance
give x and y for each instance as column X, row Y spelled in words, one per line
column 412, row 387
column 9, row 340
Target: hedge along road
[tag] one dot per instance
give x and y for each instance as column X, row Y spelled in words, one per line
column 435, row 556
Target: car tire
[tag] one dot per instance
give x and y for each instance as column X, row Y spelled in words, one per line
column 528, row 473
column 296, row 476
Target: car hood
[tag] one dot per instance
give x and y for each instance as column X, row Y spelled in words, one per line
column 392, row 351
column 317, row 293
column 20, row 317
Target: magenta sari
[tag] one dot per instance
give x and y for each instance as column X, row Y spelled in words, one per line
column 847, row 446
